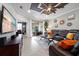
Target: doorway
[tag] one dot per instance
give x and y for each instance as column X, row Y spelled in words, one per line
column 22, row 26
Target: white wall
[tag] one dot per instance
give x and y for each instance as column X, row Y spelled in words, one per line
column 75, row 22
column 0, row 6
column 28, row 25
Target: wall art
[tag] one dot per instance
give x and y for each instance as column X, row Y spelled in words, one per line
column 56, row 25
column 69, row 24
column 62, row 22
column 71, row 17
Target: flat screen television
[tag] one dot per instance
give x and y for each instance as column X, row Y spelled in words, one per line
column 8, row 21
column 0, row 22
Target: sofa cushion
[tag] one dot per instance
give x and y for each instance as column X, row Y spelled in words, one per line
column 67, row 44
column 76, row 37
column 58, row 38
column 70, row 36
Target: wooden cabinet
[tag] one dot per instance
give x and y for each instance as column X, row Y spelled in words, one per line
column 12, row 48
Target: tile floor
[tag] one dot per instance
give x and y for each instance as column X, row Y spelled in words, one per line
column 32, row 47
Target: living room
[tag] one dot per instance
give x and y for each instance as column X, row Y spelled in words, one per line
column 39, row 29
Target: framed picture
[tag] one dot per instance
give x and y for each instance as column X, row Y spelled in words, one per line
column 56, row 25
column 69, row 24
column 71, row 17
column 62, row 22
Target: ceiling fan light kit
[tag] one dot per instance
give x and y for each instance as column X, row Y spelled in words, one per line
column 47, row 8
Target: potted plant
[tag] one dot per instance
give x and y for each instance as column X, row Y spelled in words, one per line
column 45, row 25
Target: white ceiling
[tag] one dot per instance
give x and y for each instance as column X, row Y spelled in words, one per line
column 23, row 12
column 37, row 15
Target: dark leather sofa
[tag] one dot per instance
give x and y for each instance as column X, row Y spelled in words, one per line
column 55, row 50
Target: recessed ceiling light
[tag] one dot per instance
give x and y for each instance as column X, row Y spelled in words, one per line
column 21, row 7
column 28, row 11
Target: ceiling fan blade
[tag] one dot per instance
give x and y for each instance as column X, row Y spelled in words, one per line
column 61, row 5
column 54, row 12
column 44, row 6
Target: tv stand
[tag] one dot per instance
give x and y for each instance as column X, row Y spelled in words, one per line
column 12, row 47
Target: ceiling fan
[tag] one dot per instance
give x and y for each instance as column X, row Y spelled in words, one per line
column 48, row 8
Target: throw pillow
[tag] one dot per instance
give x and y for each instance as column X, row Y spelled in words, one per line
column 70, row 36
